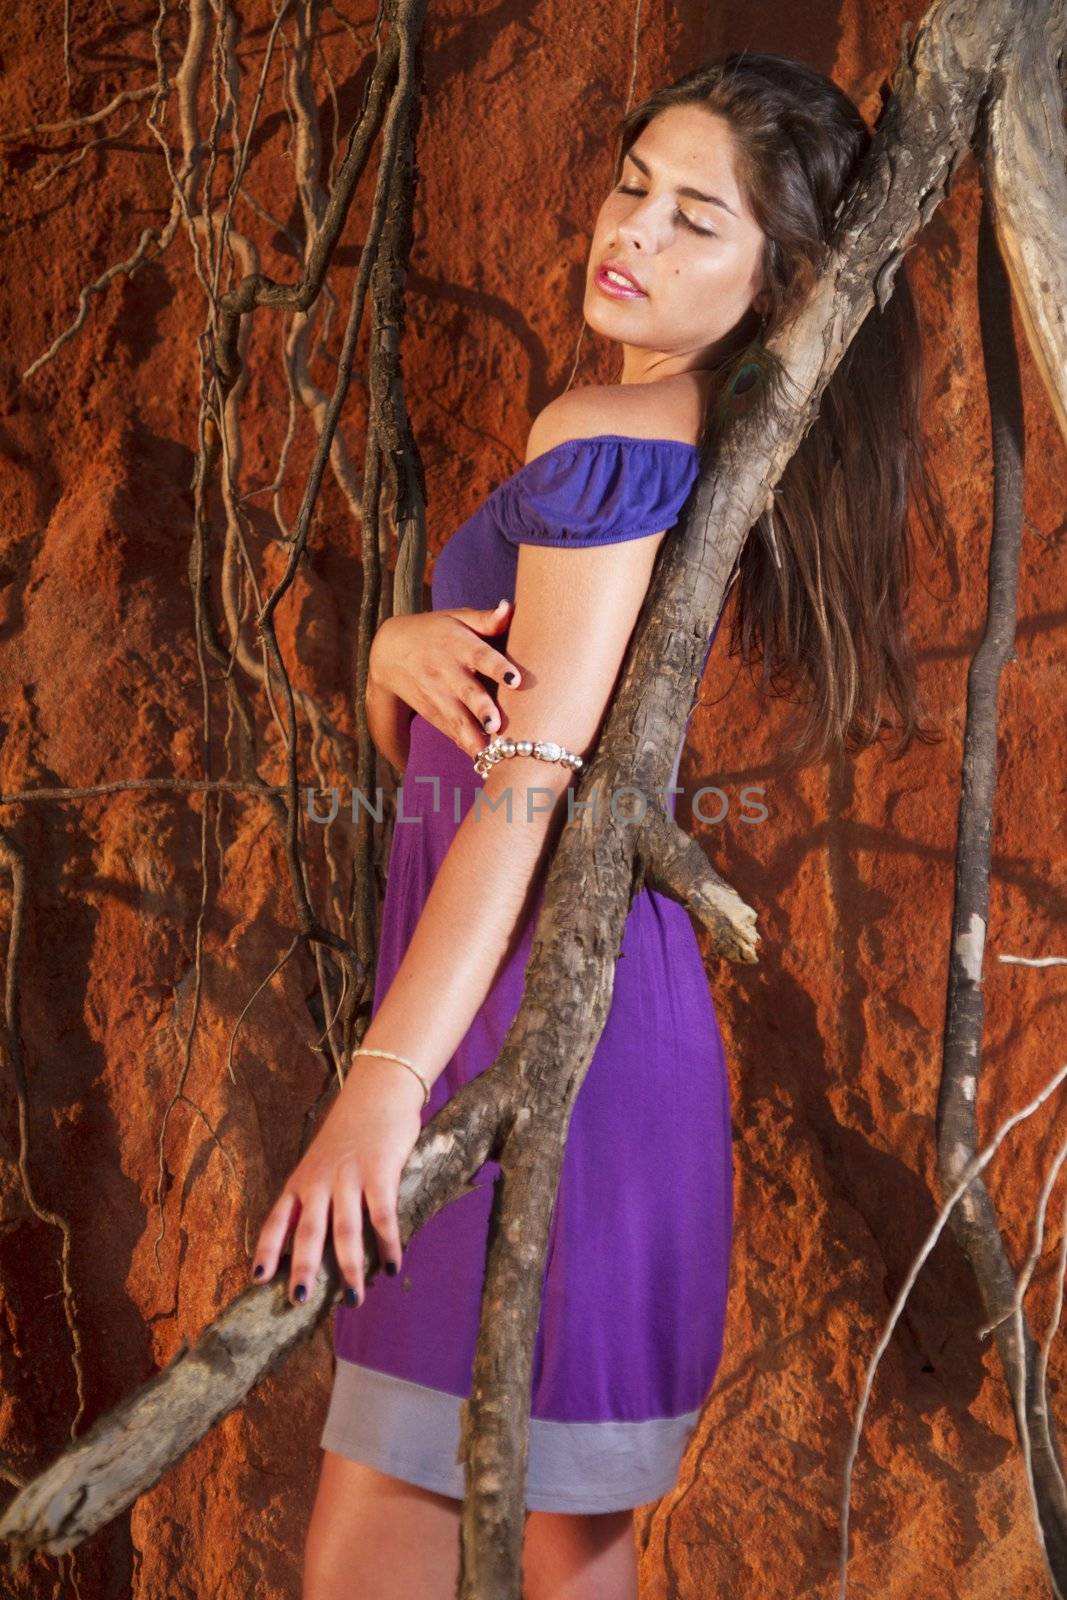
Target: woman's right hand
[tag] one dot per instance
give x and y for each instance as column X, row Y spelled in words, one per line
column 429, row 660
column 356, row 1159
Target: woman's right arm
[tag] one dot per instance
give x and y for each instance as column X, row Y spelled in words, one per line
column 388, row 721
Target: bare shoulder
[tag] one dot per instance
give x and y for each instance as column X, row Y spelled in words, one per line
column 669, row 409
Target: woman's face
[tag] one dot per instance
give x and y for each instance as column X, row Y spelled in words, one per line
column 698, row 261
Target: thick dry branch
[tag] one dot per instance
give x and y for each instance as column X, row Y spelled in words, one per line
column 1027, row 190
column 675, row 864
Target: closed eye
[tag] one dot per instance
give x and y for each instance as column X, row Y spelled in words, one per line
column 679, row 213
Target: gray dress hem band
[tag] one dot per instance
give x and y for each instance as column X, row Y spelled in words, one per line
column 631, row 1463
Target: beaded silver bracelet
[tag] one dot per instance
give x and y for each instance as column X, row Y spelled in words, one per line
column 391, row 1055
column 499, row 749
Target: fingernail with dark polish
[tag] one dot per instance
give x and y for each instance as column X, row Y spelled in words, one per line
column 350, row 1297
column 300, row 1293
column 511, row 677
column 259, row 1271
column 391, row 1268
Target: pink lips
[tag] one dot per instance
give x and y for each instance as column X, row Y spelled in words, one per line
column 608, row 286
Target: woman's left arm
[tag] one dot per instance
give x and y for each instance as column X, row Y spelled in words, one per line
column 575, row 611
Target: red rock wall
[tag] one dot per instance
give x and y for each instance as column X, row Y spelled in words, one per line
column 833, row 1038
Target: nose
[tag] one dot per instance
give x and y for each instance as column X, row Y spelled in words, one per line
column 645, row 220
column 634, row 231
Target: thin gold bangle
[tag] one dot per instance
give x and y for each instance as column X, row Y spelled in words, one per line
column 391, row 1055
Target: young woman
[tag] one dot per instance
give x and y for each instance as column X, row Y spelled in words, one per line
column 723, row 198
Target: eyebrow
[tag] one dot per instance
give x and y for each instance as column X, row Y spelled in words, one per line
column 693, row 194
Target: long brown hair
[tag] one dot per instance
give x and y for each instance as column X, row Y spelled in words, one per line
column 824, row 576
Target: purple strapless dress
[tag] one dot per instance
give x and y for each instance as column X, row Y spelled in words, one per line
column 636, row 1274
